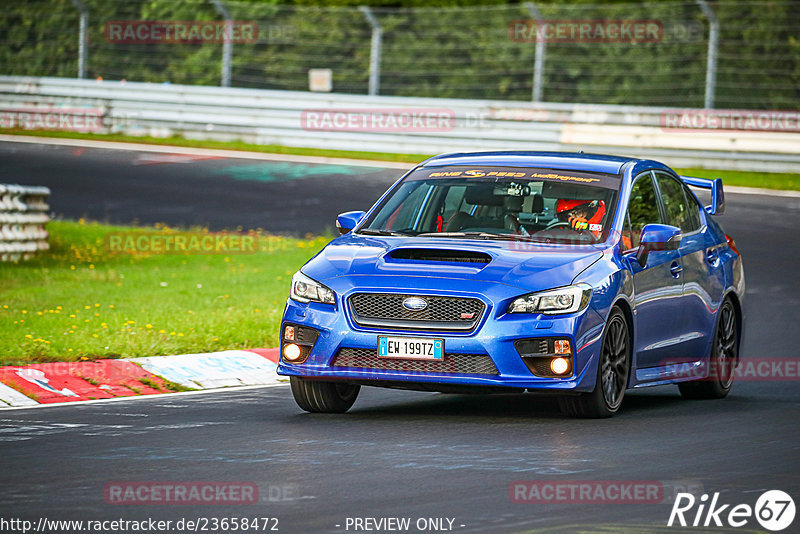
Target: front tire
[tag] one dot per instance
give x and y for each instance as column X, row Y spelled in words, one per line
column 323, row 397
column 724, row 356
column 612, row 374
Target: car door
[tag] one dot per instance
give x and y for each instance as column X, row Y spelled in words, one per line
column 657, row 285
column 702, row 280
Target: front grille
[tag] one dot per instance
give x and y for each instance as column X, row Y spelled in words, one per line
column 441, row 313
column 470, row 364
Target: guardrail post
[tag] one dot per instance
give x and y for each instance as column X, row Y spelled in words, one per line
column 375, row 51
column 227, row 43
column 83, row 37
column 541, row 45
column 711, row 59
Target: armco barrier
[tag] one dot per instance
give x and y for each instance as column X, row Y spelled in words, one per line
column 281, row 117
column 23, row 215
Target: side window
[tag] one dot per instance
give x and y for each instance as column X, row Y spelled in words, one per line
column 694, row 209
column 642, row 207
column 677, row 210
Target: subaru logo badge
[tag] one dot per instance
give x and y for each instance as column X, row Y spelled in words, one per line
column 415, row 304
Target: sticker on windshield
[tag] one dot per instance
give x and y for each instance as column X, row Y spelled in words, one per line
column 521, row 173
column 565, row 177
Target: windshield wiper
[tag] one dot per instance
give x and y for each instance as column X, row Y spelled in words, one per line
column 469, row 235
column 372, row 231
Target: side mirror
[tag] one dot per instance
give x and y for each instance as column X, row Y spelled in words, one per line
column 656, row 237
column 349, row 220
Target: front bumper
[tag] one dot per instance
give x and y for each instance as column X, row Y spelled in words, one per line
column 494, row 338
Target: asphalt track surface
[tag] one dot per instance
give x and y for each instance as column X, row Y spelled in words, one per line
column 395, row 454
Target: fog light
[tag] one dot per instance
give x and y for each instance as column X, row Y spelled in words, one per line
column 291, row 352
column 561, row 346
column 559, row 365
column 288, row 334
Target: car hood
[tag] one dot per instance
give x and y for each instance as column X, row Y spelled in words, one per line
column 528, row 266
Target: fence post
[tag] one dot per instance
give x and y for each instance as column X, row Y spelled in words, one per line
column 83, row 37
column 541, row 45
column 711, row 59
column 375, row 51
column 227, row 43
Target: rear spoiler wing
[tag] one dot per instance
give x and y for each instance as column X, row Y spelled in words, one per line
column 717, row 205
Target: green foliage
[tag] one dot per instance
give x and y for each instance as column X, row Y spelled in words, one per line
column 444, row 48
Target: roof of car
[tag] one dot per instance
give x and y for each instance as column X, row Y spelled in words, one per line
column 576, row 161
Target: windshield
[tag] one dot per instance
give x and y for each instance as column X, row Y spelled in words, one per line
column 499, row 203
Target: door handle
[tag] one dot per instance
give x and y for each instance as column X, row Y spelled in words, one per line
column 676, row 269
column 712, row 255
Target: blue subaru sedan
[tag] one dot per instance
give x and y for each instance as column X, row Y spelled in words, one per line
column 575, row 275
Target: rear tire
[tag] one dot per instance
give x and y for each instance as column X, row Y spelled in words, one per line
column 323, row 397
column 612, row 374
column 724, row 356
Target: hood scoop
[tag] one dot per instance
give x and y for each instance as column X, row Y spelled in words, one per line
column 443, row 255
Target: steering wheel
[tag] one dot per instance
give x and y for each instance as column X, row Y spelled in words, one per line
column 557, row 224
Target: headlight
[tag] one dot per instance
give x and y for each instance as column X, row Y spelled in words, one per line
column 568, row 299
column 304, row 289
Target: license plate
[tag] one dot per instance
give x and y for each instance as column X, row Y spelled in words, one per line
column 410, row 348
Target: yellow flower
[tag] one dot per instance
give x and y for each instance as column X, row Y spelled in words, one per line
column 91, row 266
column 72, row 331
column 72, row 315
column 24, row 311
column 180, row 334
column 5, row 306
column 28, row 336
column 162, row 331
column 72, row 267
column 96, row 305
column 59, row 308
column 172, row 333
column 111, row 306
column 216, row 339
column 86, row 307
column 94, row 335
column 148, row 325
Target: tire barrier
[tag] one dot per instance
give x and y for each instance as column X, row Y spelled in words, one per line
column 23, row 216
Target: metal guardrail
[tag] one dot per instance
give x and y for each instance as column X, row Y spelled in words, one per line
column 277, row 117
column 23, row 216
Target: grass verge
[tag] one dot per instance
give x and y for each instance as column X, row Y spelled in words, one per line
column 80, row 301
column 226, row 145
column 766, row 180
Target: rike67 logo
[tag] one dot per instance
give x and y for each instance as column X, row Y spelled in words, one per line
column 774, row 510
